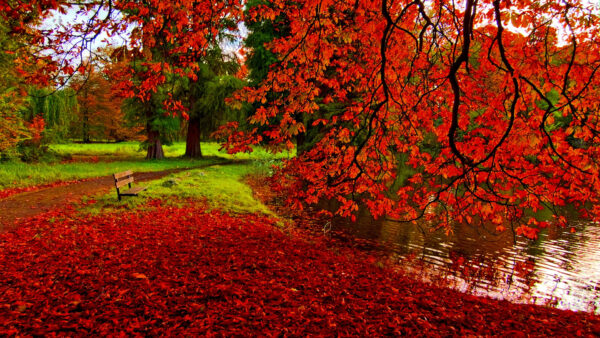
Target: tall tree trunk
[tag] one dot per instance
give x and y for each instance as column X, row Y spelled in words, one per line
column 192, row 141
column 155, row 150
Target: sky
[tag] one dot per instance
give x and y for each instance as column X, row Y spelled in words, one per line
column 71, row 17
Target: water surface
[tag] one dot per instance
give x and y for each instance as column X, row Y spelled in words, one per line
column 560, row 269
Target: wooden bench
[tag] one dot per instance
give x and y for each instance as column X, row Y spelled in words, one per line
column 126, row 178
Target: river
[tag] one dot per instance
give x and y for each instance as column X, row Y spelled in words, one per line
column 560, row 269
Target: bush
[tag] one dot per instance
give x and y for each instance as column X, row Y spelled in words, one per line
column 35, row 153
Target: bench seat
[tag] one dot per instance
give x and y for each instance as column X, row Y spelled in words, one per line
column 126, row 179
column 133, row 191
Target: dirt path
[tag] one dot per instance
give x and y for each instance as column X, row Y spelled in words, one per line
column 36, row 202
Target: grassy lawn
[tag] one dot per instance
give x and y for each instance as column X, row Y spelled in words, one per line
column 220, row 185
column 112, row 157
column 132, row 150
column 19, row 174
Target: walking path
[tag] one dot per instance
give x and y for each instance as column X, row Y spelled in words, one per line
column 32, row 203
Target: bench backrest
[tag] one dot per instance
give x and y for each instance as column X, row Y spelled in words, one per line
column 124, row 178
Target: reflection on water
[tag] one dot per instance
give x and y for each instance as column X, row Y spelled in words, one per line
column 560, row 269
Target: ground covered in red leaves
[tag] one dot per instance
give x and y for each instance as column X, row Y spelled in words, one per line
column 187, row 271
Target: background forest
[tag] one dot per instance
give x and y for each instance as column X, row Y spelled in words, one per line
column 91, row 107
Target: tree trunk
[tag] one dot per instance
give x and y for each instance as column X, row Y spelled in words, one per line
column 192, row 142
column 155, row 150
column 85, row 130
column 300, row 141
column 86, row 127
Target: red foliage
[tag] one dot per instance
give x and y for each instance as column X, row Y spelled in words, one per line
column 100, row 116
column 187, row 271
column 187, row 27
column 423, row 110
column 36, row 128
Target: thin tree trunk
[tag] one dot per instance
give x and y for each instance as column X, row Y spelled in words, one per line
column 300, row 141
column 86, row 127
column 192, row 142
column 85, row 119
column 155, row 150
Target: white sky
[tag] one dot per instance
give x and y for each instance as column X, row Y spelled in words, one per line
column 58, row 20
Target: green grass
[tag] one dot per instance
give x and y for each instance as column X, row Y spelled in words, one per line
column 132, row 150
column 219, row 185
column 113, row 157
column 125, row 149
column 19, row 174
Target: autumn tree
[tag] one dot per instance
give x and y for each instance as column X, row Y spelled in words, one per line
column 12, row 128
column 175, row 42
column 466, row 95
column 99, row 115
column 259, row 58
column 196, row 64
column 262, row 31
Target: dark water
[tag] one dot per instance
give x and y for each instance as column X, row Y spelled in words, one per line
column 560, row 269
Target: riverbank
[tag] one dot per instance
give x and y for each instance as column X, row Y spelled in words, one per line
column 558, row 269
column 187, row 270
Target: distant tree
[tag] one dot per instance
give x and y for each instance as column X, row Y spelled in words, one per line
column 131, row 70
column 93, row 98
column 159, row 127
column 206, row 97
column 57, row 107
column 261, row 32
column 99, row 114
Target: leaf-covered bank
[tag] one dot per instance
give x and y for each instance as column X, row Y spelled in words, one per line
column 188, row 271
